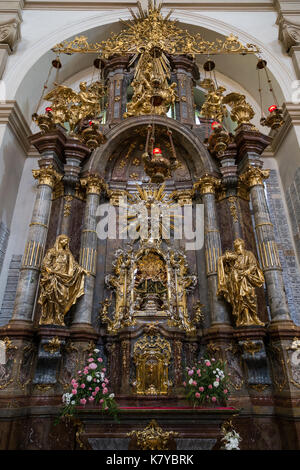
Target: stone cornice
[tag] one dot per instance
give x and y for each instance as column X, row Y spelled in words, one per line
column 76, row 5
column 287, row 7
column 11, row 114
column 212, row 5
column 291, row 116
column 11, row 8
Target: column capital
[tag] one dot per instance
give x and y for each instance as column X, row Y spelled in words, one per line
column 94, row 184
column 207, row 184
column 254, row 176
column 47, row 176
column 183, row 196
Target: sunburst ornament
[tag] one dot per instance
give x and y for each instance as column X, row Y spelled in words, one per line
column 150, row 213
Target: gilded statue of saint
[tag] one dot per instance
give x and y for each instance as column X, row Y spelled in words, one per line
column 238, row 275
column 61, row 283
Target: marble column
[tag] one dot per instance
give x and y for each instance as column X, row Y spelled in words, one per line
column 185, row 74
column 30, row 269
column 118, row 80
column 207, row 185
column 75, row 154
column 88, row 251
column 228, row 170
column 253, row 177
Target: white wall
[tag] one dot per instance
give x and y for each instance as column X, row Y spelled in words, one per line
column 25, row 197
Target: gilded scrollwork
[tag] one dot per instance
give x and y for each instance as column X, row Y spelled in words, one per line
column 53, row 346
column 69, row 106
column 153, row 437
column 149, row 30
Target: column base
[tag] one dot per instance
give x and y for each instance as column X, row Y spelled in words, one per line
column 283, row 329
column 18, row 328
column 83, row 332
column 250, row 332
column 220, row 331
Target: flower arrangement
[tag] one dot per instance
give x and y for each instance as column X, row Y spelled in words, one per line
column 90, row 386
column 207, row 382
column 231, row 439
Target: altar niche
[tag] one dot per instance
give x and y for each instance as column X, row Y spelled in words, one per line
column 151, row 355
column 147, row 317
column 149, row 283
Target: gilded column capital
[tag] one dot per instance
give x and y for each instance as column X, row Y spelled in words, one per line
column 207, row 184
column 94, row 184
column 254, row 176
column 115, row 195
column 183, row 196
column 47, row 176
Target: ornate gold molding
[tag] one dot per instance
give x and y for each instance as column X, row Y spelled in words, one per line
column 149, row 29
column 33, row 254
column 233, row 208
column 183, row 196
column 116, row 196
column 207, row 184
column 67, row 205
column 47, row 176
column 153, row 437
column 53, row 345
column 94, row 184
column 254, row 176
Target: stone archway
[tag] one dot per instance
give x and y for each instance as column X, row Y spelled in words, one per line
column 200, row 158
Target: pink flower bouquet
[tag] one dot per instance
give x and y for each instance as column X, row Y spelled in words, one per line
column 90, row 386
column 206, row 382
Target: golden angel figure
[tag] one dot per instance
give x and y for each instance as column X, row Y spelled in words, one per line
column 61, row 283
column 238, row 275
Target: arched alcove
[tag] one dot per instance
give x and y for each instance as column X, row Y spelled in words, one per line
column 199, row 158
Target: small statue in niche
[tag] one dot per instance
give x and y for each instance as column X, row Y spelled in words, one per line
column 151, row 355
column 238, row 275
column 151, row 278
column 61, row 283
